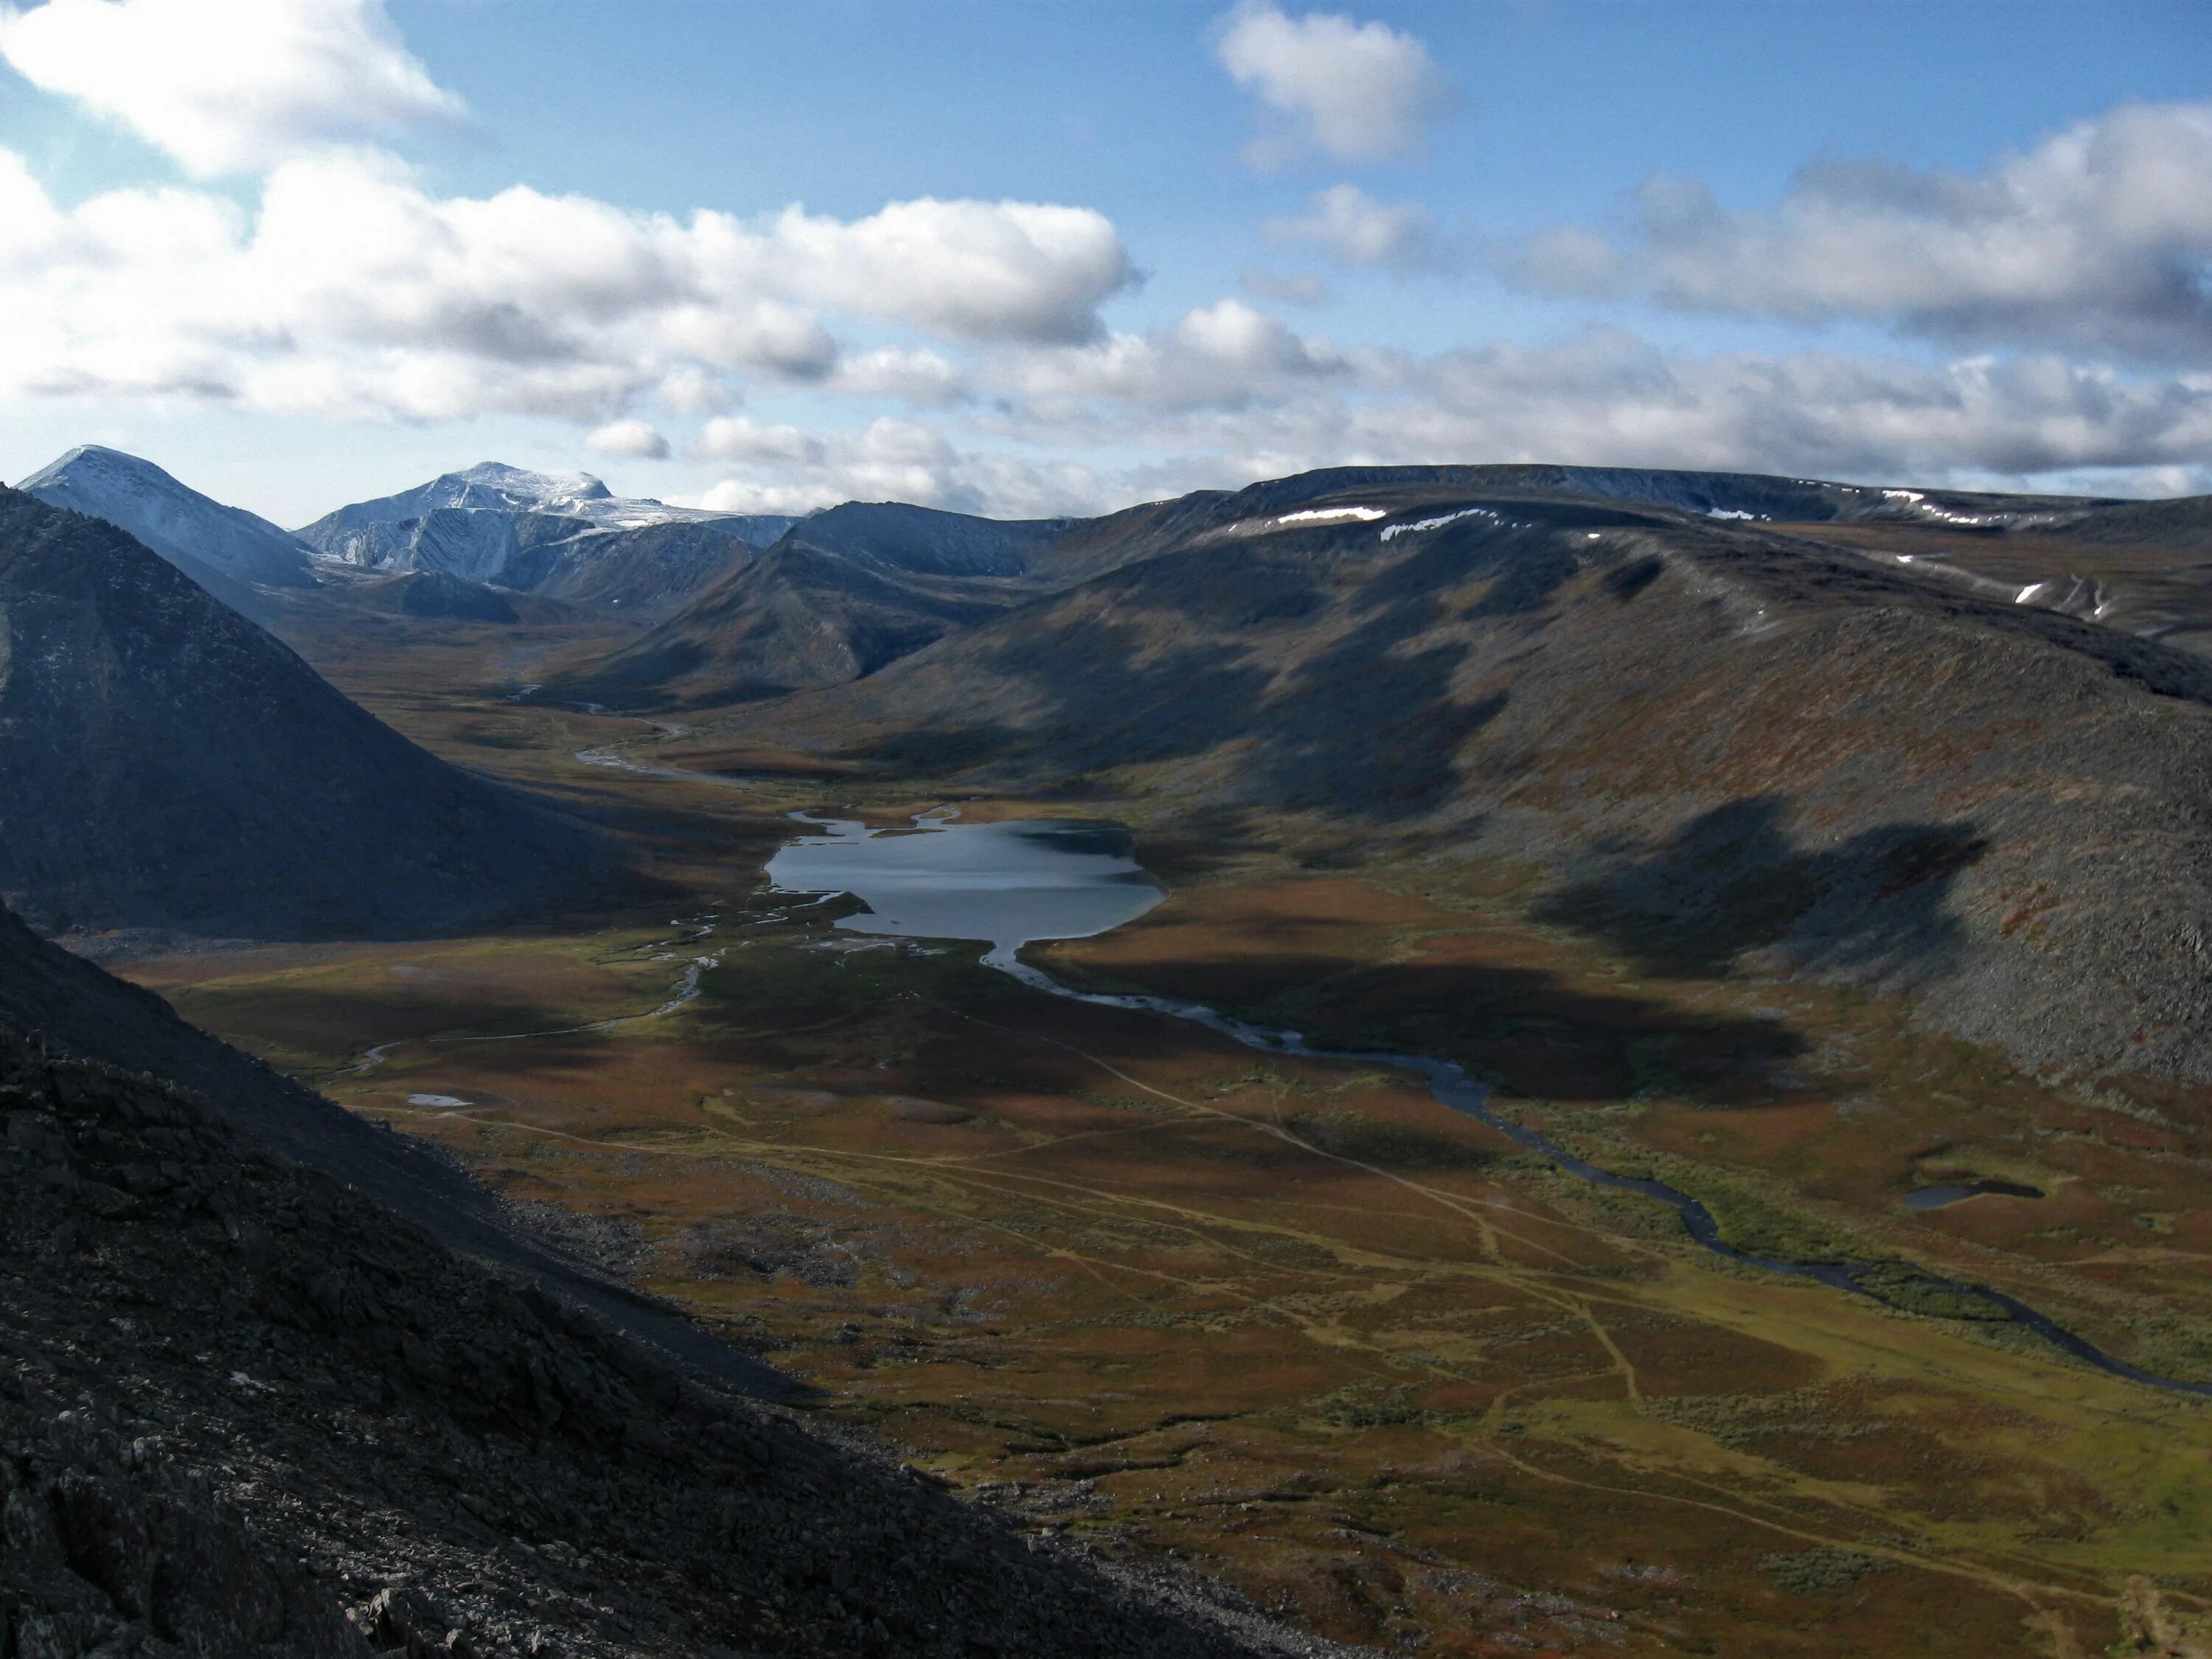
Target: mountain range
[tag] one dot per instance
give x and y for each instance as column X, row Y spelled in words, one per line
column 1950, row 748
column 561, row 536
column 1695, row 725
column 1601, row 676
column 558, row 536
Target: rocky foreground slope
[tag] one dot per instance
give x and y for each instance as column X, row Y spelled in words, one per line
column 166, row 764
column 1721, row 745
column 246, row 1409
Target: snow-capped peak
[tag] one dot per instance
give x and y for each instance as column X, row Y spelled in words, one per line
column 193, row 531
column 526, row 489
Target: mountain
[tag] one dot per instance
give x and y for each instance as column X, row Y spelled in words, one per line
column 164, row 763
column 1715, row 740
column 851, row 589
column 839, row 595
column 213, row 543
column 276, row 1381
column 562, row 536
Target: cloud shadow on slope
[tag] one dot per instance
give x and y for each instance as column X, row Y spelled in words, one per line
column 1732, row 881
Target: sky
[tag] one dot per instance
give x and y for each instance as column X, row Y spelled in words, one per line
column 1046, row 257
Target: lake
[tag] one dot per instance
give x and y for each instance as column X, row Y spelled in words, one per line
column 1006, row 883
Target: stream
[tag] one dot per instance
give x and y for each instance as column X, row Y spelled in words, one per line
column 1019, row 881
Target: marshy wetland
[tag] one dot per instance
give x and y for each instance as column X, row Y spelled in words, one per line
column 1288, row 1318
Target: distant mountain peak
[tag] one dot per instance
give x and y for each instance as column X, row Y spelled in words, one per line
column 565, row 535
column 206, row 540
column 536, row 489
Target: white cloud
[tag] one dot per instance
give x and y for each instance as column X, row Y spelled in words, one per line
column 688, row 389
column 786, row 471
column 1605, row 398
column 1360, row 92
column 1227, row 395
column 229, row 85
column 354, row 292
column 915, row 374
column 737, row 438
column 1225, row 354
column 1599, row 397
column 639, row 440
column 1353, row 228
column 972, row 271
column 2098, row 239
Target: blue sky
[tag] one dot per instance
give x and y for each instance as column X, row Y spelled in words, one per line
column 1962, row 243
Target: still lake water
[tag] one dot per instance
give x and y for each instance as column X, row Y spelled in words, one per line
column 1006, row 883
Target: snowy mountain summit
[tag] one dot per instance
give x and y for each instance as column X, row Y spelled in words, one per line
column 493, row 486
column 563, row 535
column 197, row 534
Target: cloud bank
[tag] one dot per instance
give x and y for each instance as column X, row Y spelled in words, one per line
column 352, row 292
column 2098, row 240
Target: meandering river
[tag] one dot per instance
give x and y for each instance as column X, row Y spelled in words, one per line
column 1017, row 882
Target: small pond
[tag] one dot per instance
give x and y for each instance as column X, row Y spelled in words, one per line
column 1008, row 883
column 1936, row 1198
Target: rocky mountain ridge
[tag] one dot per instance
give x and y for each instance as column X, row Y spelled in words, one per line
column 1723, row 744
column 854, row 588
column 839, row 595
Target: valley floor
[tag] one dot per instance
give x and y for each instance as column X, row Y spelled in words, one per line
column 1293, row 1322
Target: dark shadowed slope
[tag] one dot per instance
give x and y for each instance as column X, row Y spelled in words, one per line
column 82, row 1011
column 1716, row 743
column 252, row 1406
column 858, row 586
column 165, row 763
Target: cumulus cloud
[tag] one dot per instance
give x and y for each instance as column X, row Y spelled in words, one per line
column 739, row 438
column 1227, row 355
column 2098, row 240
column 229, row 85
column 1352, row 228
column 639, row 440
column 915, row 373
column 354, row 291
column 1359, row 92
column 974, row 271
column 1606, row 397
column 1227, row 395
column 782, row 470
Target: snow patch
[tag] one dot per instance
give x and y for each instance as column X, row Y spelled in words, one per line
column 1328, row 515
column 1438, row 523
